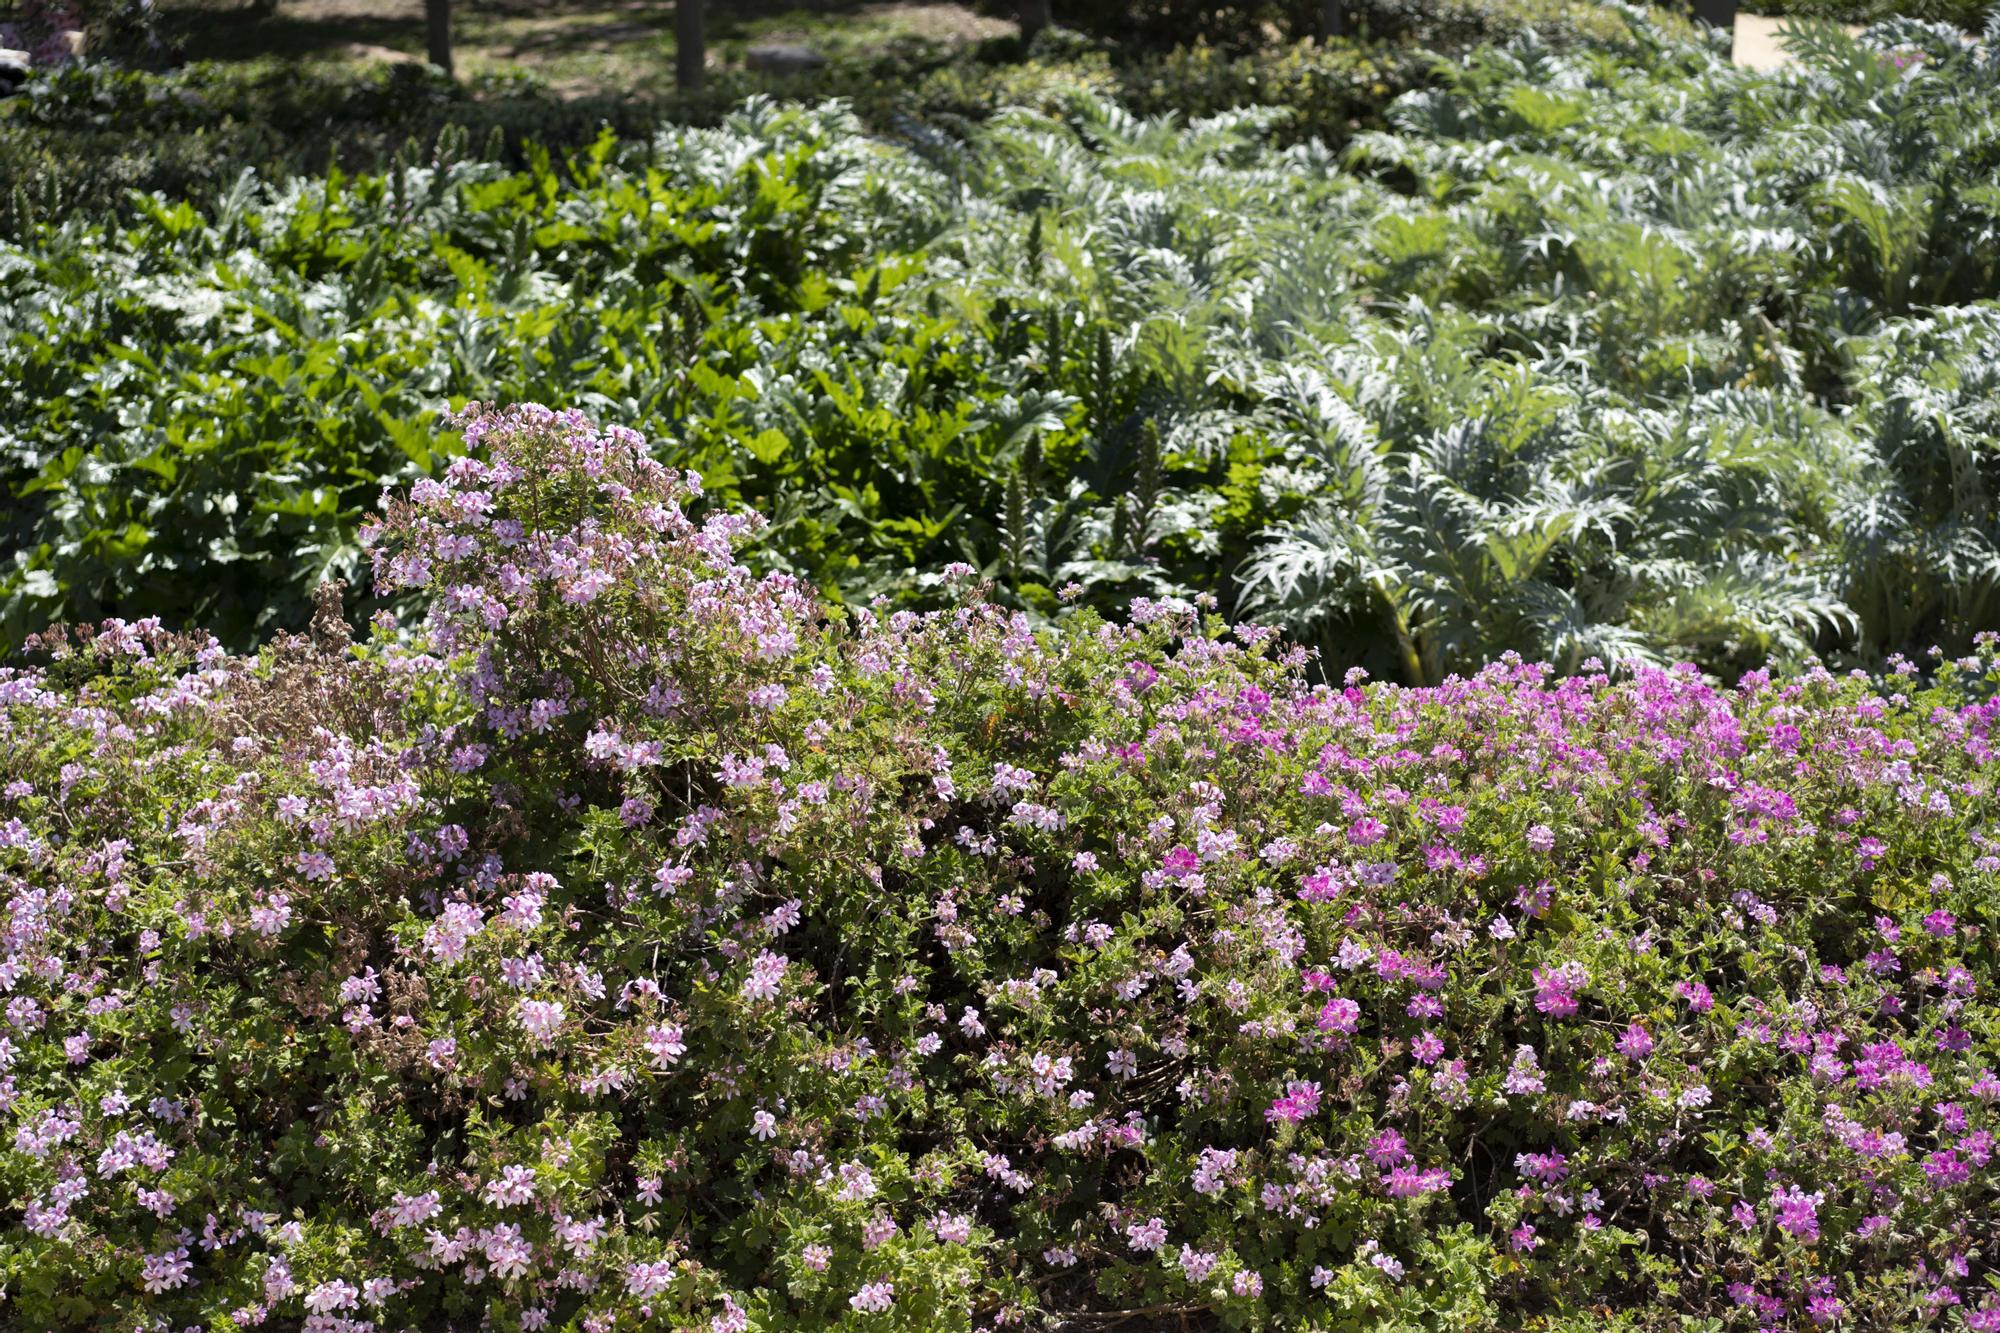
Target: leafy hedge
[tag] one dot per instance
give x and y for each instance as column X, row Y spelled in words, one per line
column 642, row 940
column 1971, row 15
column 1617, row 351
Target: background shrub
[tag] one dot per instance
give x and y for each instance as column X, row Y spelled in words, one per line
column 1610, row 352
column 1971, row 15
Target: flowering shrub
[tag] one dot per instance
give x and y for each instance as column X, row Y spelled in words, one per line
column 641, row 943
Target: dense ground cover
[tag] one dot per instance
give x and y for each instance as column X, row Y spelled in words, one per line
column 1607, row 350
column 640, row 939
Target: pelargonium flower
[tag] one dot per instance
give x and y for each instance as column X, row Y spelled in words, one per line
column 1388, row 1149
column 333, row 1295
column 1300, row 1101
column 765, row 975
column 513, row 1186
column 1339, row 1015
column 540, row 1019
column 1195, row 1264
column 1797, row 1212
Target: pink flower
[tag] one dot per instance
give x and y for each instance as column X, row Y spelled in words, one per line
column 1339, row 1015
column 540, row 1019
column 1549, row 1168
column 165, row 1272
column 330, row 1296
column 1797, row 1212
column 1636, row 1043
column 272, row 916
column 1387, row 1149
column 765, row 974
column 1404, row 1183
column 515, row 1185
column 1300, row 1101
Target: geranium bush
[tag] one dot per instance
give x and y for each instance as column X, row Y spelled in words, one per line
column 640, row 943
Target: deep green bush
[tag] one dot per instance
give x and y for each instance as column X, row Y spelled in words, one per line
column 1611, row 351
column 640, row 943
column 1446, row 27
column 1971, row 15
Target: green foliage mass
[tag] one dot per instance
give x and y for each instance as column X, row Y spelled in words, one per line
column 1609, row 351
column 1969, row 14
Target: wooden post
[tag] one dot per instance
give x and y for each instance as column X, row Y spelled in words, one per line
column 437, row 33
column 690, row 47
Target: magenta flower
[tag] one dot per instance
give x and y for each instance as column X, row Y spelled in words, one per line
column 1339, row 1015
column 1796, row 1212
column 1387, row 1149
column 1301, row 1100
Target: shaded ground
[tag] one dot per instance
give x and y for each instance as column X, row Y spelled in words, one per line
column 584, row 47
column 576, row 46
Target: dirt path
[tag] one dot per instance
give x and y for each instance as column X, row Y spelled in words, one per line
column 1757, row 42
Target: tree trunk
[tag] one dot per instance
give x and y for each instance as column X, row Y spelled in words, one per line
column 1332, row 18
column 690, row 47
column 1034, row 18
column 437, row 33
